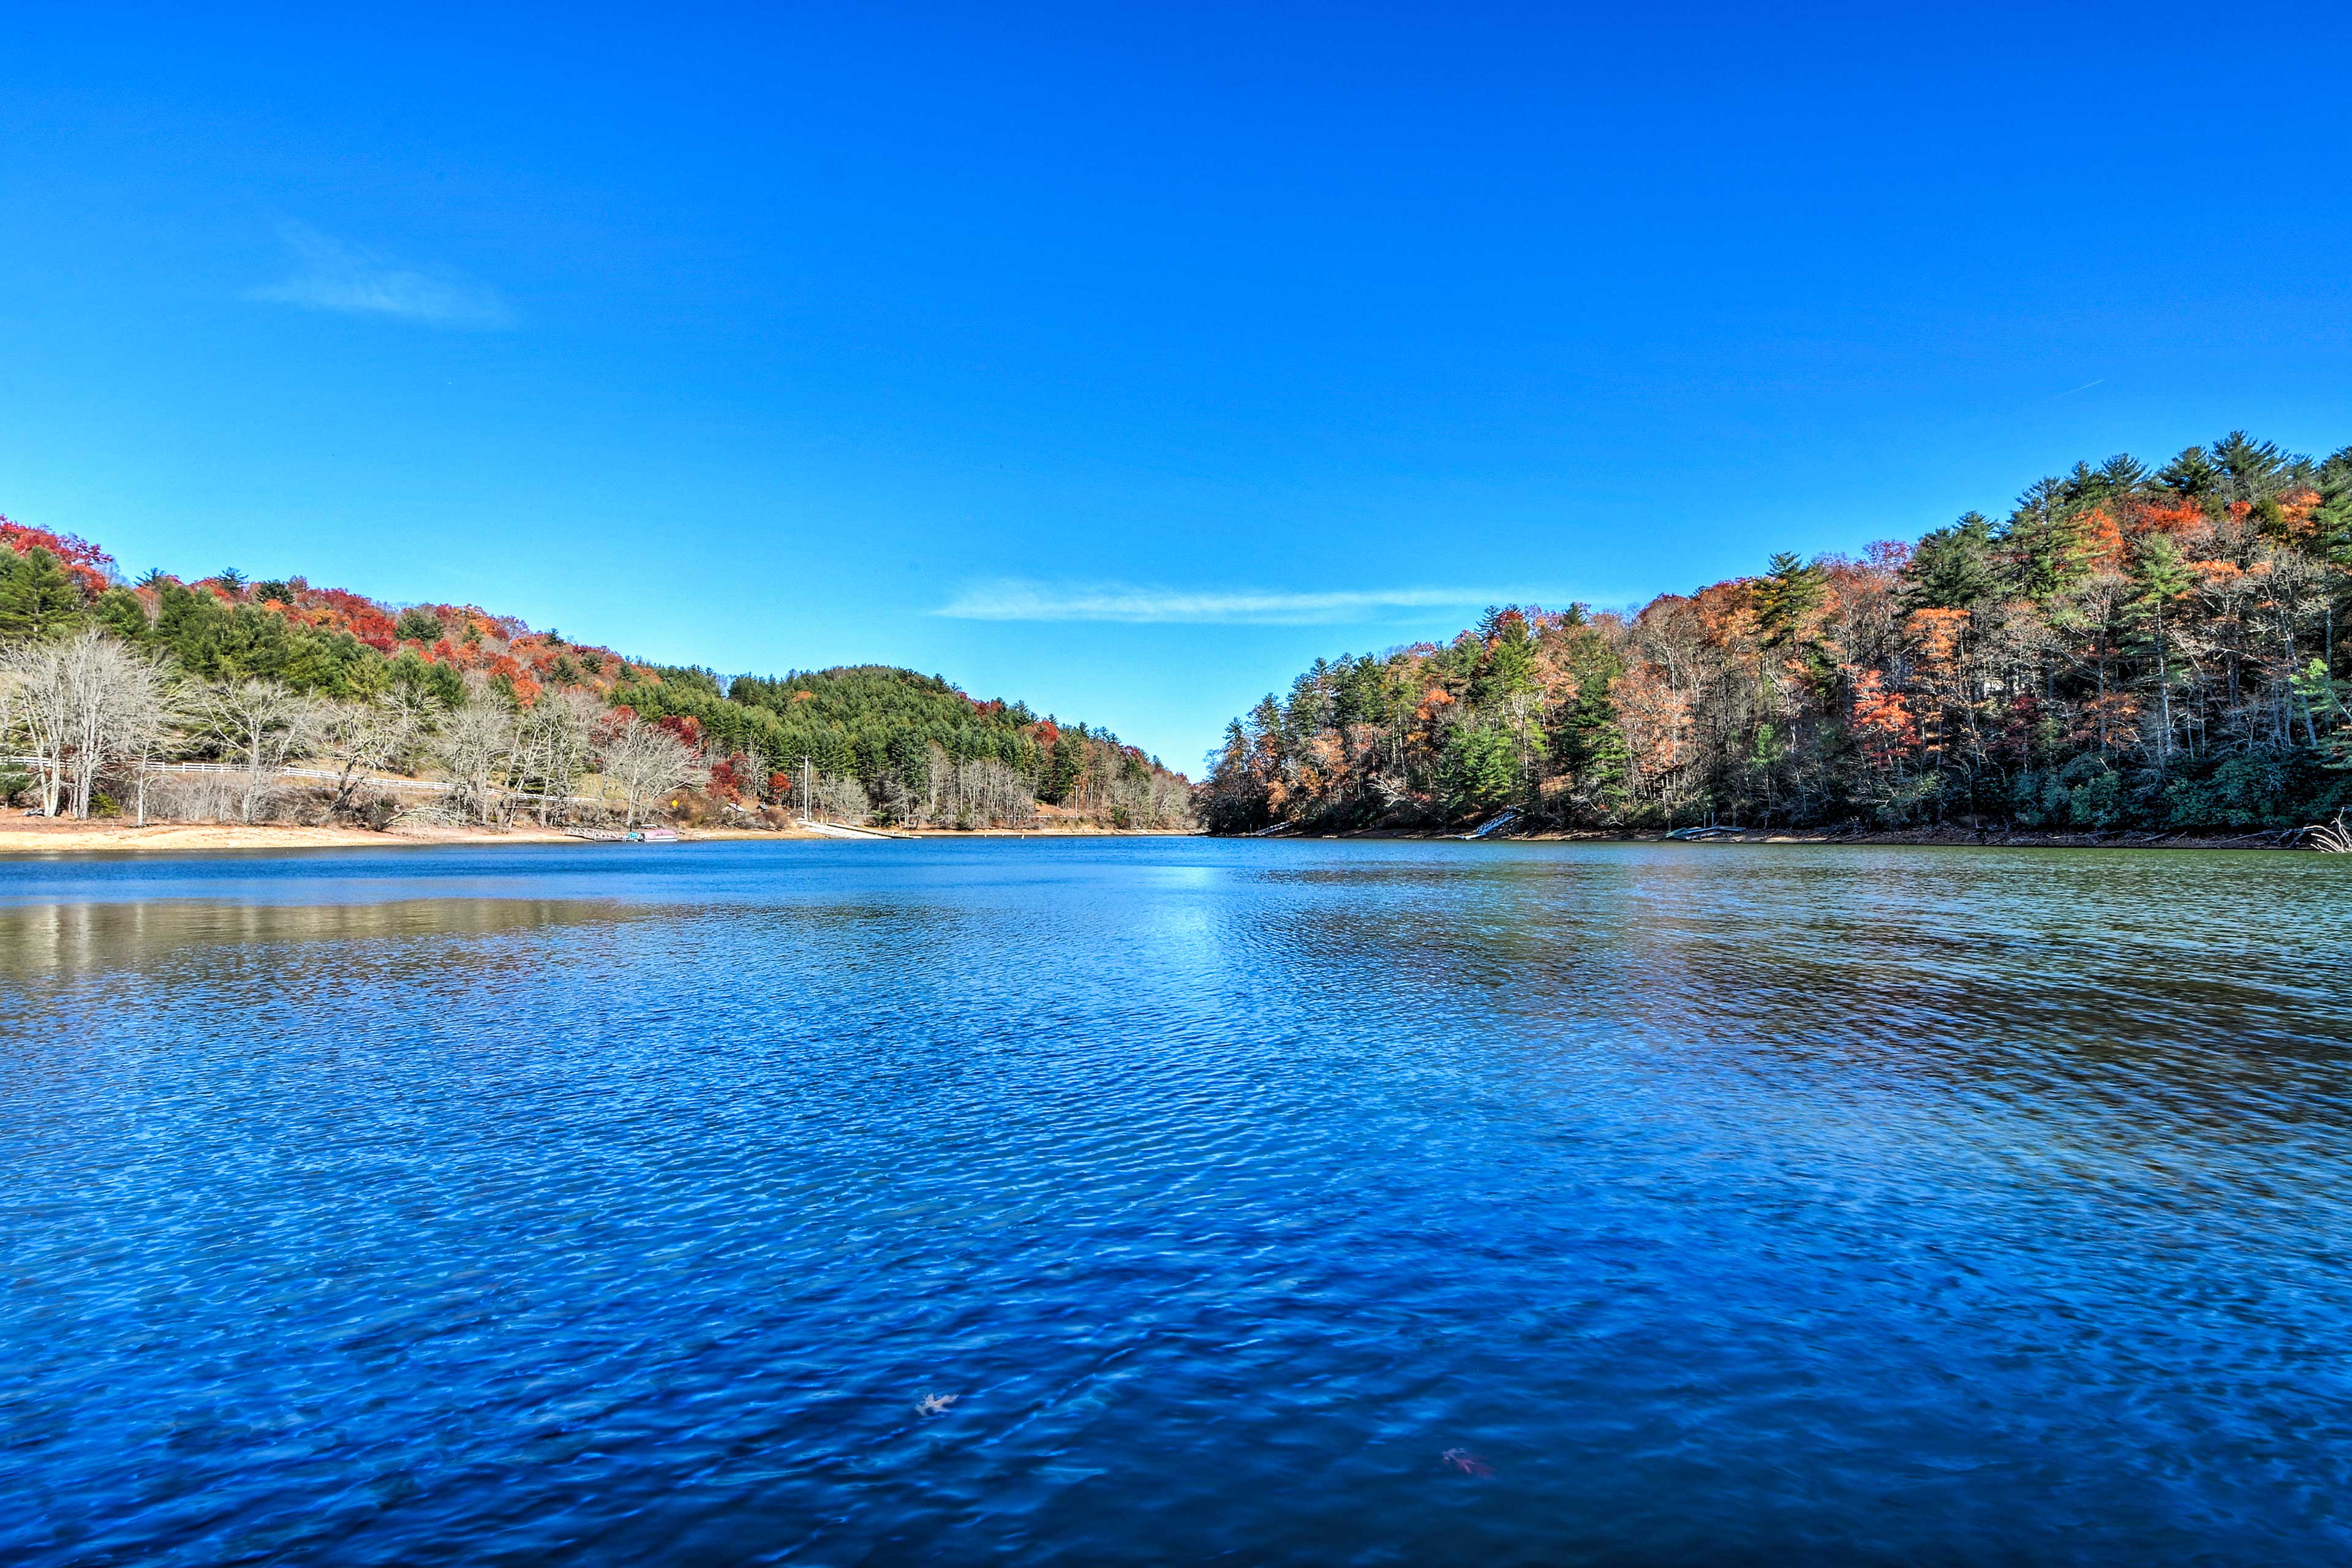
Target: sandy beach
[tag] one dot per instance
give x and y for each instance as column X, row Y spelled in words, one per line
column 40, row 836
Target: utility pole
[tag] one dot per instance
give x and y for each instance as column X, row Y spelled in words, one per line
column 806, row 805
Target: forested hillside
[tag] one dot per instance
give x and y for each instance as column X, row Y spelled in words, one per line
column 243, row 672
column 2125, row 648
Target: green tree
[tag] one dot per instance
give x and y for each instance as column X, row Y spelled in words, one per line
column 909, row 760
column 1786, row 597
column 2191, row 475
column 37, row 599
column 1953, row 568
column 417, row 624
column 1507, row 667
column 2048, row 546
column 1061, row 768
column 1482, row 767
column 119, row 611
column 2161, row 577
column 2250, row 470
column 2119, row 476
column 1590, row 746
column 1368, row 692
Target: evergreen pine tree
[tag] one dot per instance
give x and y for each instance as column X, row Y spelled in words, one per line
column 1952, row 568
column 2161, row 576
column 37, row 599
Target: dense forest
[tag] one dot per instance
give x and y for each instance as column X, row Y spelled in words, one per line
column 102, row 679
column 2128, row 647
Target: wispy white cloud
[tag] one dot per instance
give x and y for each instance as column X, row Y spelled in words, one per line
column 331, row 274
column 1013, row 599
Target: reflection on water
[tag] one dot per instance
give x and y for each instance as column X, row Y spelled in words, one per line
column 36, row 939
column 1154, row 1201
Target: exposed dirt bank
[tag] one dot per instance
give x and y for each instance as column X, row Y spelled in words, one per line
column 39, row 835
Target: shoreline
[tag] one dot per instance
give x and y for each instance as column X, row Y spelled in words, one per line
column 41, row 835
column 1917, row 837
column 22, row 836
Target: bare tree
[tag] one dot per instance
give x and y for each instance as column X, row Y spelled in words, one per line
column 87, row 664
column 365, row 737
column 841, row 799
column 985, row 792
column 755, row 771
column 478, row 745
column 151, row 727
column 119, row 705
column 900, row 803
column 79, row 707
column 557, row 744
column 37, row 694
column 647, row 762
column 1150, row 799
column 261, row 724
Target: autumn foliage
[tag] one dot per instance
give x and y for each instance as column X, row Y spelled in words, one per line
column 914, row 746
column 2128, row 647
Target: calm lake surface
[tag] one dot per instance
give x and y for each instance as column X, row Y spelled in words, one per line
column 1288, row 1202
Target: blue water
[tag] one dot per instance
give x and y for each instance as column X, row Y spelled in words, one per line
column 1277, row 1203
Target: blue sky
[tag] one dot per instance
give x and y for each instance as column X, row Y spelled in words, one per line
column 1123, row 360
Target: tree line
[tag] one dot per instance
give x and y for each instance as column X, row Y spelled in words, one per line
column 110, row 689
column 918, row 750
column 2125, row 648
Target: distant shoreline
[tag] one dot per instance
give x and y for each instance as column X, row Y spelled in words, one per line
column 1923, row 838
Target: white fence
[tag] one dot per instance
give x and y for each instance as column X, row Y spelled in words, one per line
column 378, row 781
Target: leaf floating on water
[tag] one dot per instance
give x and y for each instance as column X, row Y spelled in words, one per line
column 1468, row 1463
column 933, row 1404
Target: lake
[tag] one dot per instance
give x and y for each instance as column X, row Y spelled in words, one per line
column 1159, row 1200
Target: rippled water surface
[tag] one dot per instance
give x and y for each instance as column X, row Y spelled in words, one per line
column 1379, row 1203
